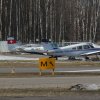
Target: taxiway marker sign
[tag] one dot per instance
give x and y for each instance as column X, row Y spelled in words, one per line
column 46, row 63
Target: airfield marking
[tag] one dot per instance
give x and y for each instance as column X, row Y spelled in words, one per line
column 96, row 70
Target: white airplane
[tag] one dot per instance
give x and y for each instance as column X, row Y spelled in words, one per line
column 75, row 50
column 13, row 46
column 30, row 48
column 52, row 50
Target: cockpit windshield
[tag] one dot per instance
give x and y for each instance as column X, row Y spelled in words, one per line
column 91, row 46
column 54, row 45
column 88, row 46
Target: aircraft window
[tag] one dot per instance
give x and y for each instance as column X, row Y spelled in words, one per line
column 79, row 47
column 86, row 46
column 74, row 48
column 54, row 45
column 91, row 46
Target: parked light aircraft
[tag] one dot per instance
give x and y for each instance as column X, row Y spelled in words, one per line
column 14, row 46
column 51, row 49
column 71, row 51
column 30, row 48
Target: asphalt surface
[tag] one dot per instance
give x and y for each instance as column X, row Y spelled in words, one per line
column 47, row 82
column 66, row 97
column 58, row 69
column 65, row 68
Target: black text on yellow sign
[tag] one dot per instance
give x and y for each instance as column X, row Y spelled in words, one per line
column 46, row 63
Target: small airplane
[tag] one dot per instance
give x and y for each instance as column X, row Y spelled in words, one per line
column 51, row 49
column 15, row 46
column 30, row 48
column 75, row 50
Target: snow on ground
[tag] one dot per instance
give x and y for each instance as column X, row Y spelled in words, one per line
column 3, row 57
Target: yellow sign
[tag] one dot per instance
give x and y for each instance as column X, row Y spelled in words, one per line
column 46, row 63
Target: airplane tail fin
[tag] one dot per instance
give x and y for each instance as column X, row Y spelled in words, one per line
column 12, row 44
column 48, row 45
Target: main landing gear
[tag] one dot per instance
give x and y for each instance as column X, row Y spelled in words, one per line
column 71, row 58
column 54, row 57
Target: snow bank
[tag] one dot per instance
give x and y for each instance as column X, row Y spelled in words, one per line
column 2, row 57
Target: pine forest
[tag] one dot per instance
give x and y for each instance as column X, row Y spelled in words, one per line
column 56, row 20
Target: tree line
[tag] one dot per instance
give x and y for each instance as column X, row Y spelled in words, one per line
column 56, row 20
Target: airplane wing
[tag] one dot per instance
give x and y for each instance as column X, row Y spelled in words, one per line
column 90, row 53
column 32, row 51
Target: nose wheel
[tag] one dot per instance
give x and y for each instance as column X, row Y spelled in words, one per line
column 71, row 58
column 86, row 58
column 54, row 57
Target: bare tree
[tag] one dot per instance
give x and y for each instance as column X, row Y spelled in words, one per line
column 68, row 20
column 0, row 19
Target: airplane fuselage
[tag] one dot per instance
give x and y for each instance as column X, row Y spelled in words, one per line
column 74, row 53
